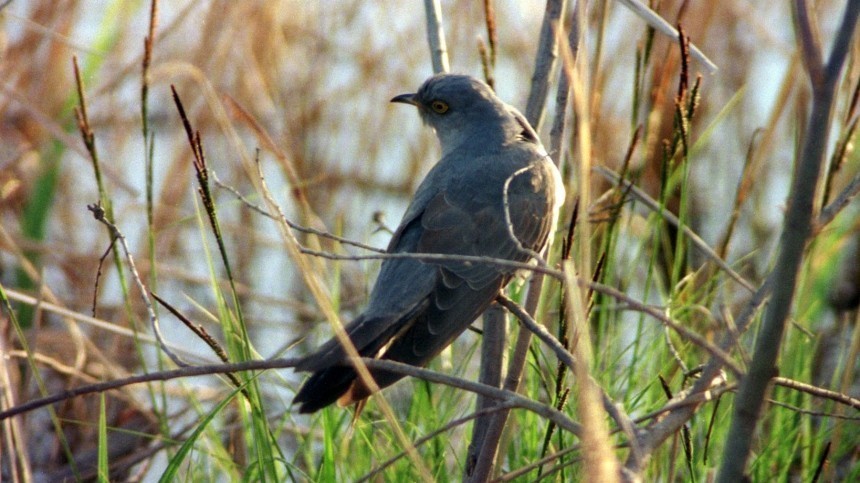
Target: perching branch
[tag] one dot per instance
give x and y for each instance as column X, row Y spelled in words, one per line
column 508, row 398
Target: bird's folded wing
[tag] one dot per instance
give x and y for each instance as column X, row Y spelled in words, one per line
column 480, row 223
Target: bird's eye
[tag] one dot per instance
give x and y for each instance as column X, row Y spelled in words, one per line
column 439, row 107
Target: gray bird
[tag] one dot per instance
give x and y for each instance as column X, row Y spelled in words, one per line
column 492, row 163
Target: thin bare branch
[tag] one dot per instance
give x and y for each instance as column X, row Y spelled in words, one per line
column 818, row 392
column 817, row 414
column 839, row 203
column 441, row 257
column 295, row 226
column 508, row 398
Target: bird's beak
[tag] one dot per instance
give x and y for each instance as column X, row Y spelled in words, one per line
column 406, row 99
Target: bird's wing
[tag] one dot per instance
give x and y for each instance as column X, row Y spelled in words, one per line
column 502, row 209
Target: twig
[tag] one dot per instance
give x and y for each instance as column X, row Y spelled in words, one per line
column 508, row 398
column 689, row 398
column 186, row 371
column 102, row 259
column 104, row 201
column 198, row 330
column 818, row 391
column 510, row 476
column 295, row 226
column 505, row 396
column 99, row 214
column 829, row 212
column 538, row 330
column 439, row 258
column 817, row 414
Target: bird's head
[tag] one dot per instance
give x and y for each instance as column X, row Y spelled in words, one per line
column 459, row 107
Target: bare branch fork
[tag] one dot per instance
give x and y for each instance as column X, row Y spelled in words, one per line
column 99, row 214
column 824, row 78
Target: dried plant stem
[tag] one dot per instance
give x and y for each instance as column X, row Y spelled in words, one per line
column 436, row 36
column 661, row 25
column 600, row 462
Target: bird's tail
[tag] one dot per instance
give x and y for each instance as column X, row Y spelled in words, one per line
column 332, row 377
column 324, row 387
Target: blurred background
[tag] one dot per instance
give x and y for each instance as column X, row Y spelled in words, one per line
column 316, row 78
